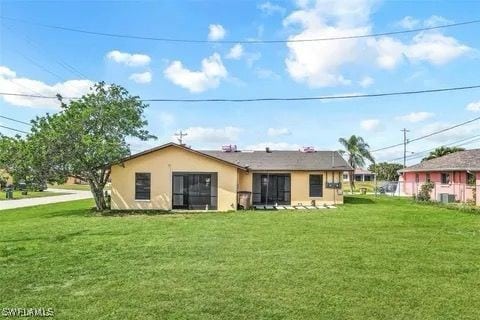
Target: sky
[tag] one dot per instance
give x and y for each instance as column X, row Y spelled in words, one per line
column 39, row 60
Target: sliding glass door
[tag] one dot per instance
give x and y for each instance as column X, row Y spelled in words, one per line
column 271, row 189
column 194, row 191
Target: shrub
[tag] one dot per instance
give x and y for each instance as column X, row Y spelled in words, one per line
column 425, row 190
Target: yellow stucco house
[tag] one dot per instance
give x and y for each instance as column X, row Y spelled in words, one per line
column 175, row 177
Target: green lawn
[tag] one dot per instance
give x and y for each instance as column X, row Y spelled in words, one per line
column 83, row 187
column 369, row 185
column 30, row 194
column 370, row 259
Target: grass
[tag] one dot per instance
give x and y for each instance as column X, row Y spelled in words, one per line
column 369, row 185
column 82, row 187
column 30, row 194
column 384, row 258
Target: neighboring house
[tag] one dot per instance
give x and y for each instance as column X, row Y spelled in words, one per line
column 173, row 176
column 455, row 176
column 74, row 180
column 359, row 175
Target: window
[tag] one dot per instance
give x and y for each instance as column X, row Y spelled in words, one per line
column 345, row 176
column 471, row 180
column 316, row 185
column 445, row 178
column 417, row 178
column 142, row 186
column 427, row 177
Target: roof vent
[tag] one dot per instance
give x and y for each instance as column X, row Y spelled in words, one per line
column 229, row 148
column 308, row 149
column 267, row 150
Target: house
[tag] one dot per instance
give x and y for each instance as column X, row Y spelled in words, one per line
column 172, row 176
column 74, row 180
column 359, row 175
column 455, row 177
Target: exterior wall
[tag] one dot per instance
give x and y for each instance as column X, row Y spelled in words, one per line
column 477, row 193
column 458, row 185
column 300, row 186
column 73, row 180
column 161, row 164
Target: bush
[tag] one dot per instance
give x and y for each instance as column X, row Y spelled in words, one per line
column 425, row 190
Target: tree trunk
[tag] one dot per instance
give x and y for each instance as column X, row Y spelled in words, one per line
column 352, row 183
column 98, row 195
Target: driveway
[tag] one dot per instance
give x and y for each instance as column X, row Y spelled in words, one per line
column 72, row 195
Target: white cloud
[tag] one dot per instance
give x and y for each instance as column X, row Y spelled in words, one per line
column 373, row 125
column 129, row 59
column 143, row 77
column 435, row 48
column 216, row 32
column 209, row 77
column 416, row 116
column 9, row 82
column 212, row 135
column 473, row 106
column 389, row 52
column 236, row 52
column 324, row 63
column 319, row 64
column 366, row 82
column 7, row 73
column 276, row 132
column 435, row 21
column 408, row 22
column 273, row 146
column 270, row 8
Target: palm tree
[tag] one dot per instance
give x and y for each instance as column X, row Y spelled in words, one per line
column 442, row 151
column 357, row 150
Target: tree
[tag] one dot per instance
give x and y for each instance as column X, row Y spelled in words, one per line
column 13, row 158
column 87, row 137
column 357, row 150
column 386, row 171
column 442, row 151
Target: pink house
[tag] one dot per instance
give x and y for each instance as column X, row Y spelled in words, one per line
column 456, row 177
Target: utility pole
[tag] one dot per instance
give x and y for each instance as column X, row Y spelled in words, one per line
column 180, row 136
column 405, row 141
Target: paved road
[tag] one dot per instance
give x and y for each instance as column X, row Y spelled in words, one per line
column 72, row 195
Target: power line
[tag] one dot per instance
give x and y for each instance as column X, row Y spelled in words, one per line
column 331, row 97
column 457, row 143
column 57, row 60
column 165, row 39
column 428, row 135
column 13, row 129
column 15, row 120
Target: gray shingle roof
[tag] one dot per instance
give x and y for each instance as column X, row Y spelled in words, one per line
column 458, row 161
column 284, row 160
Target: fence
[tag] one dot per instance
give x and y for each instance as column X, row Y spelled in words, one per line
column 452, row 192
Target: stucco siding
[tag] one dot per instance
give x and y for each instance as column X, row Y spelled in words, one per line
column 300, row 186
column 161, row 164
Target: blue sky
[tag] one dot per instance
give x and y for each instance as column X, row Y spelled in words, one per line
column 31, row 59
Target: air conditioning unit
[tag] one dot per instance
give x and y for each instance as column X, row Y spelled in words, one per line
column 308, row 149
column 229, row 148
